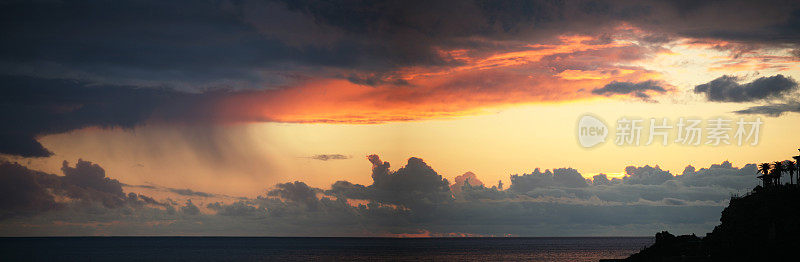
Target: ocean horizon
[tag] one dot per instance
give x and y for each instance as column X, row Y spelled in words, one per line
column 224, row 248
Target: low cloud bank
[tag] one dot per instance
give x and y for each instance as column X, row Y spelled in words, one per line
column 411, row 199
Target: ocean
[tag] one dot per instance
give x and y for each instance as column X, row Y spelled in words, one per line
column 325, row 249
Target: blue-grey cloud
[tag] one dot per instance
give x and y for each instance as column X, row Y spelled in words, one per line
column 190, row 209
column 773, row 110
column 639, row 90
column 415, row 186
column 296, row 192
column 25, row 192
column 541, row 203
column 559, row 177
column 728, row 89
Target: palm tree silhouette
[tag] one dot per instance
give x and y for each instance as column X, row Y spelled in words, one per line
column 779, row 168
column 765, row 178
column 796, row 166
column 791, row 167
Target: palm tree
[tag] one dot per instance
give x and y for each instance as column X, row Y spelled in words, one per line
column 779, row 168
column 791, row 167
column 764, row 168
column 773, row 176
column 796, row 167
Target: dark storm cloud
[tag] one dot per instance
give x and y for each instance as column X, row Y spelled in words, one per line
column 728, row 89
column 105, row 52
column 775, row 22
column 31, row 107
column 134, row 41
column 223, row 43
column 412, row 28
column 494, row 18
column 638, row 90
column 183, row 43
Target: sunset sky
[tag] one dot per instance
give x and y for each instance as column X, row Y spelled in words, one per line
column 239, row 117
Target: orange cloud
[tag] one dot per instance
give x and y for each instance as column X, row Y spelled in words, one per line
column 565, row 71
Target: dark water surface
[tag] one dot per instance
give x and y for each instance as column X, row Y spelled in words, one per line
column 326, row 249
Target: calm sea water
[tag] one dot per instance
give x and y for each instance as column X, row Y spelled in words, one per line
column 276, row 248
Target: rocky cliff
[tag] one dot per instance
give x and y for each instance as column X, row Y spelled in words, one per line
column 762, row 225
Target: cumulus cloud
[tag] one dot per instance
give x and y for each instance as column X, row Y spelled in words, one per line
column 21, row 192
column 406, row 200
column 559, row 177
column 467, row 178
column 28, row 192
column 415, row 186
column 728, row 89
column 240, row 208
column 723, row 175
column 639, row 90
column 602, row 180
column 296, row 192
column 646, row 175
column 190, row 208
column 91, row 176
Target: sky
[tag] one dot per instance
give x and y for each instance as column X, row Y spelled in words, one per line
column 388, row 118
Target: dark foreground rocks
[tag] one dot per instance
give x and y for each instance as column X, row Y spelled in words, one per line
column 762, row 225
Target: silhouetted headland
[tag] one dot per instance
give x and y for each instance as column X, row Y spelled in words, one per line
column 761, row 225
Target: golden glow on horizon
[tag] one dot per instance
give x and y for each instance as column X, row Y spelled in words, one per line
column 493, row 146
column 525, row 121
